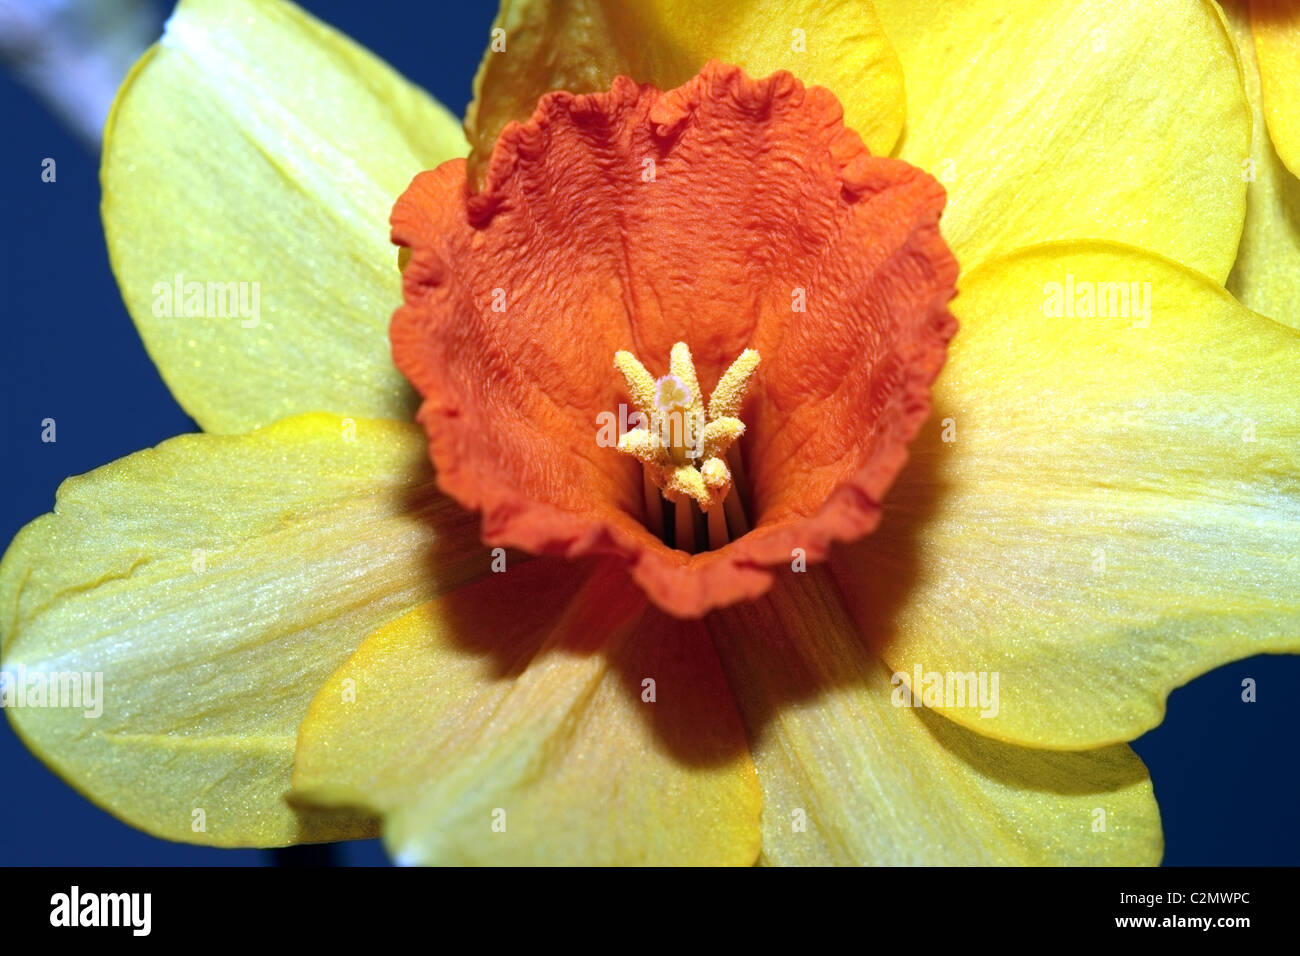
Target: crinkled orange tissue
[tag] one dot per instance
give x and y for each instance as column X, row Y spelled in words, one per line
column 626, row 250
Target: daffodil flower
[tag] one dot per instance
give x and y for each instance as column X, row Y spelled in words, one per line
column 302, row 635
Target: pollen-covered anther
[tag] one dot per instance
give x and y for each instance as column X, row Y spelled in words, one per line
column 681, row 441
column 716, row 475
column 643, row 445
column 718, row 437
column 727, row 397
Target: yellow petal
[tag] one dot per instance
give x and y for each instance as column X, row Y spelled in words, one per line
column 1266, row 275
column 539, row 46
column 849, row 777
column 255, row 146
column 1276, row 25
column 1105, row 119
column 215, row 583
column 537, row 717
column 1102, row 508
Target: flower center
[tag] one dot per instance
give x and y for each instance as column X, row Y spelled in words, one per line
column 684, row 446
column 731, row 213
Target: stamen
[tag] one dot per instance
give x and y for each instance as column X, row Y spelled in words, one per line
column 726, row 399
column 684, row 445
column 719, row 435
column 654, row 506
column 685, row 527
column 735, row 512
column 737, row 465
column 717, row 529
column 640, row 383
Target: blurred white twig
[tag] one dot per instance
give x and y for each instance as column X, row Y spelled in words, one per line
column 75, row 53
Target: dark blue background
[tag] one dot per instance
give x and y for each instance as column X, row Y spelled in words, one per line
column 1225, row 772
